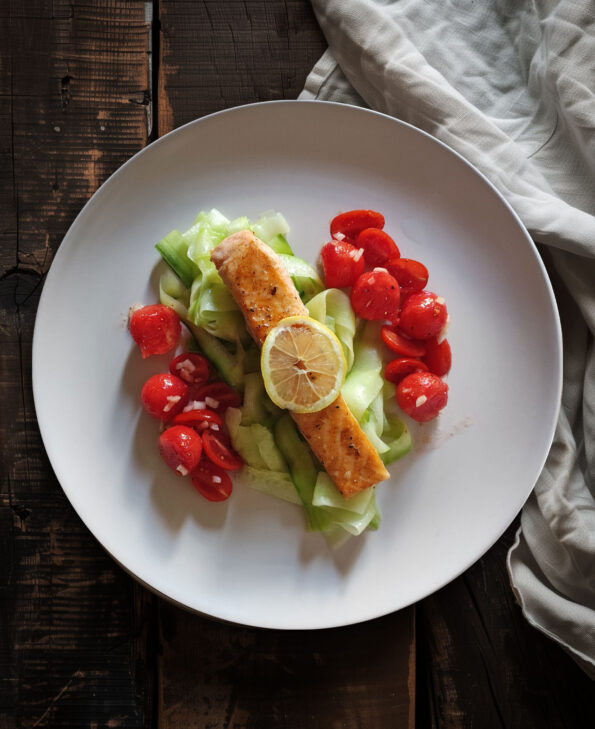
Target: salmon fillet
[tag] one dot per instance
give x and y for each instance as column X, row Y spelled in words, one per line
column 265, row 293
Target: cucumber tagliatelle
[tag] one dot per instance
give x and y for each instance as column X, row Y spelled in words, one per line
column 277, row 459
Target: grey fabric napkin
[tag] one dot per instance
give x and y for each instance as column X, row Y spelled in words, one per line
column 510, row 84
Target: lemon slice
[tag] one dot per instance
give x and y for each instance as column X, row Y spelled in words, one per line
column 303, row 365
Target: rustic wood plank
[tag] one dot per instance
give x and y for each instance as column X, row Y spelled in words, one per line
column 482, row 664
column 222, row 676
column 216, row 55
column 73, row 627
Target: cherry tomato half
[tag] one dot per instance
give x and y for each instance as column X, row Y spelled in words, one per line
column 401, row 345
column 378, row 246
column 220, row 453
column 351, row 223
column 422, row 395
column 156, row 329
column 211, row 481
column 411, row 275
column 403, row 366
column 375, row 296
column 342, row 264
column 163, row 396
column 220, row 396
column 423, row 315
column 192, row 368
column 199, row 419
column 438, row 357
column 180, row 448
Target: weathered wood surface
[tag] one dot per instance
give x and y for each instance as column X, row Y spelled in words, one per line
column 81, row 644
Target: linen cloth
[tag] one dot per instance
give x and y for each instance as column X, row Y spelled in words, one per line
column 510, row 84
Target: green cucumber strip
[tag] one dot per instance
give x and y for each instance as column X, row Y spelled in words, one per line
column 328, row 495
column 174, row 251
column 302, row 470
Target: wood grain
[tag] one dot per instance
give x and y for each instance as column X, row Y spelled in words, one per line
column 215, row 54
column 222, row 676
column 72, row 625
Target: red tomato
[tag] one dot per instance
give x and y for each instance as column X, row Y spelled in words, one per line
column 375, row 296
column 156, row 329
column 199, row 419
column 180, row 448
column 411, row 275
column 211, row 481
column 221, row 396
column 220, row 453
column 438, row 356
column 192, row 368
column 352, row 223
column 400, row 345
column 423, row 315
column 403, row 366
column 342, row 264
column 163, row 396
column 378, row 246
column 422, row 395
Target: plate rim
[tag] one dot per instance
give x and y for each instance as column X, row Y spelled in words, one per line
column 349, row 108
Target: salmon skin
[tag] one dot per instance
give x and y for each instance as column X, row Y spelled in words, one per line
column 265, row 293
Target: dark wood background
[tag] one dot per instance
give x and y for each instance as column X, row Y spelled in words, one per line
column 84, row 85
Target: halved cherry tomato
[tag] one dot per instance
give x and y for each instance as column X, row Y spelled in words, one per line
column 375, row 296
column 163, row 396
column 351, row 223
column 342, row 264
column 220, row 453
column 221, row 396
column 378, row 246
column 438, row 357
column 211, row 481
column 411, row 275
column 401, row 345
column 423, row 315
column 199, row 419
column 422, row 395
column 403, row 366
column 190, row 367
column 180, row 448
column 156, row 329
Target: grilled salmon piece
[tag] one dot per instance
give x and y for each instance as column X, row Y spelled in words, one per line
column 265, row 293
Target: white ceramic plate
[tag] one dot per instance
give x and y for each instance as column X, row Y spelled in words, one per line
column 249, row 560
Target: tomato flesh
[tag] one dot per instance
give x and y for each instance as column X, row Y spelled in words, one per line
column 342, row 264
column 199, row 419
column 211, row 481
column 220, row 453
column 422, row 395
column 438, row 357
column 163, row 396
column 351, row 223
column 181, row 448
column 411, row 275
column 375, row 296
column 190, row 367
column 378, row 246
column 399, row 368
column 401, row 345
column 423, row 315
column 220, row 396
column 155, row 328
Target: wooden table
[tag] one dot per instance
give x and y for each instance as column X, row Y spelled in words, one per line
column 85, row 85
